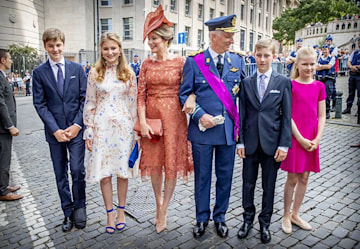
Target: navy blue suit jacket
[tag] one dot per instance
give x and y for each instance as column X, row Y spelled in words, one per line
column 56, row 111
column 268, row 122
column 193, row 81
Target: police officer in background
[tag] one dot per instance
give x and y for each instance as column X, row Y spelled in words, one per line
column 214, row 76
column 291, row 58
column 334, row 52
column 354, row 79
column 326, row 73
column 136, row 65
column 317, row 50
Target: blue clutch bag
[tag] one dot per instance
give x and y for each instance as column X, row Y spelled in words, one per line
column 134, row 156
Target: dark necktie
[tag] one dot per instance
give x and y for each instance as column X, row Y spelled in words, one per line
column 219, row 65
column 60, row 79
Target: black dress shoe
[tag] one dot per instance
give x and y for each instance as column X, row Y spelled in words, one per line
column 199, row 229
column 244, row 230
column 79, row 218
column 346, row 111
column 221, row 229
column 67, row 224
column 265, row 235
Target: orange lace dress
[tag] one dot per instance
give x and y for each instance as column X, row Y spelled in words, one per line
column 158, row 91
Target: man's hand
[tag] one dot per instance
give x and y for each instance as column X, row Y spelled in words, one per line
column 280, row 155
column 14, row 131
column 88, row 144
column 61, row 136
column 241, row 152
column 207, row 121
column 72, row 131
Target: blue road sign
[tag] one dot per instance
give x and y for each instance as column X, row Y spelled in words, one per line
column 182, row 38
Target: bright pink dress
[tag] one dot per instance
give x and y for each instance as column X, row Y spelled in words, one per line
column 304, row 112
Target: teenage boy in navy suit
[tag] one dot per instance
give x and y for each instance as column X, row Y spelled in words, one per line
column 59, row 88
column 265, row 134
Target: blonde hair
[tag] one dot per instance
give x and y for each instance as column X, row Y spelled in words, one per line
column 53, row 34
column 123, row 72
column 300, row 54
column 166, row 32
column 265, row 43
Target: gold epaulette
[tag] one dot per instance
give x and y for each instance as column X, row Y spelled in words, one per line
column 241, row 53
column 196, row 52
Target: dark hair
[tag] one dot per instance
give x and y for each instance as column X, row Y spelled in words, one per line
column 3, row 53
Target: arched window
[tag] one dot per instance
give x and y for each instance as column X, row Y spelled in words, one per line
column 349, row 26
column 343, row 26
column 321, row 30
column 317, row 31
column 337, row 26
column 355, row 25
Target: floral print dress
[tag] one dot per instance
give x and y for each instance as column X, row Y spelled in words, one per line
column 109, row 115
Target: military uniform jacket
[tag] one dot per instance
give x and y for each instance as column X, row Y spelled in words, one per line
column 193, row 81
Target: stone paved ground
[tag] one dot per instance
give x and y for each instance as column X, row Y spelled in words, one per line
column 331, row 205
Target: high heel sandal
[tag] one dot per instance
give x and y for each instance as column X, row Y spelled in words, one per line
column 123, row 224
column 112, row 229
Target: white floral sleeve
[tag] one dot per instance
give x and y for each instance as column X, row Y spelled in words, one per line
column 90, row 106
column 133, row 101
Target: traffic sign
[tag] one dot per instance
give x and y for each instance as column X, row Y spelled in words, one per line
column 182, row 38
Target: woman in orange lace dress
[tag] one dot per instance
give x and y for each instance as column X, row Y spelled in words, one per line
column 158, row 89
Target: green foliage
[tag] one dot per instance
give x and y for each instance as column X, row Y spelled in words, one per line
column 310, row 12
column 21, row 54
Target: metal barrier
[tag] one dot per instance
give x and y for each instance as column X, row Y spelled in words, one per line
column 343, row 69
column 280, row 67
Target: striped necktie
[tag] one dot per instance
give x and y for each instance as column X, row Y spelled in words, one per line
column 60, row 79
column 262, row 87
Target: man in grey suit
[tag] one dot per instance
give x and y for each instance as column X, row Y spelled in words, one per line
column 7, row 129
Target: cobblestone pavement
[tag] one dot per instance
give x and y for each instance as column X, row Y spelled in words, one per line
column 331, row 205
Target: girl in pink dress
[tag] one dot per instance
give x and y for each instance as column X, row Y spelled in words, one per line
column 308, row 122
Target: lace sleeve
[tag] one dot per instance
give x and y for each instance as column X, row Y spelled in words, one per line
column 142, row 86
column 90, row 106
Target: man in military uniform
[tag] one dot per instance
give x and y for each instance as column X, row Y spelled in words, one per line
column 214, row 76
column 334, row 52
column 354, row 79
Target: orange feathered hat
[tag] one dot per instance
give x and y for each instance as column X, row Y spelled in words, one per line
column 154, row 20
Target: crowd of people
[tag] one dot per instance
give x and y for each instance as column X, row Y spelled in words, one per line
column 207, row 108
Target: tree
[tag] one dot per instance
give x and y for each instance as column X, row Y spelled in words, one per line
column 24, row 57
column 309, row 12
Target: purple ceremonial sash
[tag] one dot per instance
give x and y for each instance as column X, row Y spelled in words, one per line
column 218, row 86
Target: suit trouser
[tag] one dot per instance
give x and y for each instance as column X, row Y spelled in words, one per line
column 224, row 165
column 269, row 169
column 354, row 84
column 5, row 160
column 59, row 157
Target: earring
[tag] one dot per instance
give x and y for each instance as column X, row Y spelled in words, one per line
column 166, row 43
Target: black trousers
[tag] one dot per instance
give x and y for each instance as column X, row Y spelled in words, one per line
column 269, row 169
column 5, row 160
column 354, row 85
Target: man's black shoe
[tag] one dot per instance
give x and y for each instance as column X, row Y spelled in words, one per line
column 346, row 111
column 265, row 235
column 79, row 218
column 67, row 224
column 221, row 229
column 199, row 229
column 244, row 230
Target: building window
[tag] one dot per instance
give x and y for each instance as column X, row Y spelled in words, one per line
column 106, row 3
column 156, row 2
column 173, row 5
column 274, row 8
column 128, row 28
column 222, row 1
column 252, row 1
column 200, row 11
column 251, row 15
column 187, row 31
column 251, row 43
column 128, row 2
column 212, row 11
column 267, row 22
column 267, row 5
column 175, row 33
column 106, row 25
column 199, row 38
column 259, row 37
column 242, row 8
column 188, row 7
column 222, row 13
column 260, row 3
column 259, row 22
column 242, row 40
